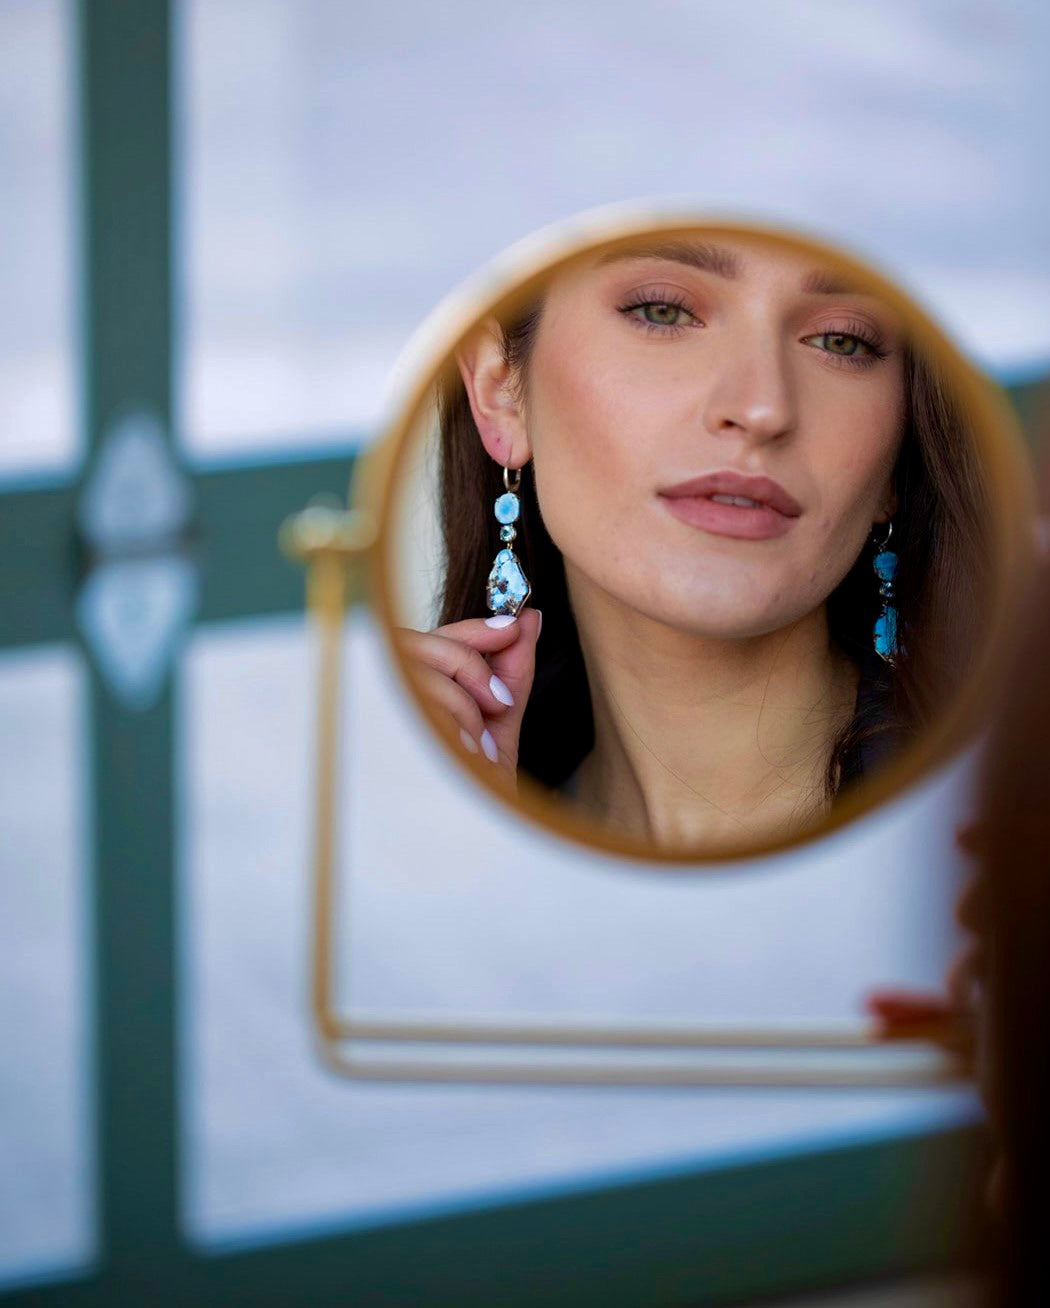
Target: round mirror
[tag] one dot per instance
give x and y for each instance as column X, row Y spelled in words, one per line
column 773, row 521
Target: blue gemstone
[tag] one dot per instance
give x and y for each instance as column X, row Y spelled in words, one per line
column 885, row 565
column 886, row 632
column 507, row 508
column 508, row 587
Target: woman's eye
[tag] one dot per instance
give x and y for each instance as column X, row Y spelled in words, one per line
column 660, row 313
column 844, row 344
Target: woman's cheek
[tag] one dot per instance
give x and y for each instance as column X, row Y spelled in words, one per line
column 586, row 449
column 834, row 552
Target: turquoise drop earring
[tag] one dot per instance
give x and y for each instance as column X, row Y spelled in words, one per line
column 508, row 587
column 885, row 565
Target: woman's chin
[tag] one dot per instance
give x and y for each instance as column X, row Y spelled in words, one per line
column 736, row 607
column 704, row 619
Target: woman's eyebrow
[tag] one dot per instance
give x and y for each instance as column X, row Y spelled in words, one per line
column 725, row 263
column 697, row 254
column 820, row 282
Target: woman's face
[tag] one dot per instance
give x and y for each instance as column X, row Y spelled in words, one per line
column 713, row 429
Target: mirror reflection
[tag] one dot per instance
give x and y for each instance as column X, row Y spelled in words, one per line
column 697, row 537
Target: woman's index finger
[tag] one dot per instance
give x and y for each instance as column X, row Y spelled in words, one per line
column 483, row 634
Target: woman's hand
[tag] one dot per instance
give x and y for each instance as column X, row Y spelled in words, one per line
column 904, row 1012
column 478, row 675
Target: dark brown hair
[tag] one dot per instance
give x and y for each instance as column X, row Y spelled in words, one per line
column 939, row 533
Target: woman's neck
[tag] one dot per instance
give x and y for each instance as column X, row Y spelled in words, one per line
column 703, row 742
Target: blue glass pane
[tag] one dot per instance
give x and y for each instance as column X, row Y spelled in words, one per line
column 46, row 1078
column 38, row 401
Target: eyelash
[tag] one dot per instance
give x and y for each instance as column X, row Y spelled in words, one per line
column 852, row 330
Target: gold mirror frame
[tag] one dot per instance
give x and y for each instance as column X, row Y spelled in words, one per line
column 335, row 543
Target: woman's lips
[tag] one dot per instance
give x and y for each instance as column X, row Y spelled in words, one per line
column 771, row 511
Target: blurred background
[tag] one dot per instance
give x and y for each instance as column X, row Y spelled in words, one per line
column 220, row 222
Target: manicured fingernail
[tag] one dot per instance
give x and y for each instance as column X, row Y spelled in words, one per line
column 539, row 624
column 500, row 690
column 469, row 743
column 488, row 746
column 501, row 620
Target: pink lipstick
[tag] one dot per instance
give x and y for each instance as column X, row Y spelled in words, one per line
column 730, row 503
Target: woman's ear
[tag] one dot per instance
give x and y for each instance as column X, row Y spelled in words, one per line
column 493, row 396
column 888, row 503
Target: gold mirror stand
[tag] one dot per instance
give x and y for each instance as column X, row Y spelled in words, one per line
column 333, row 543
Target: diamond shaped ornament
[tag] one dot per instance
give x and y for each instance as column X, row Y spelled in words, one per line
column 141, row 591
column 135, row 495
column 133, row 613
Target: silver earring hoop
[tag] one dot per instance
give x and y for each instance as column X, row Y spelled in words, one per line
column 881, row 544
column 508, row 588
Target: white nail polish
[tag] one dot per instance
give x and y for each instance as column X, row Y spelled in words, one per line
column 488, row 746
column 501, row 620
column 500, row 690
column 469, row 743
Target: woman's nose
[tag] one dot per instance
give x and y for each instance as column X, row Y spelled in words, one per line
column 751, row 392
